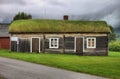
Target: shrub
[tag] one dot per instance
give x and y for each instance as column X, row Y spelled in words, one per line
column 114, row 46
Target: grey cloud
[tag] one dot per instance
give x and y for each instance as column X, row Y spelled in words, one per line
column 21, row 2
column 109, row 13
column 55, row 2
column 107, row 10
column 55, row 9
column 6, row 18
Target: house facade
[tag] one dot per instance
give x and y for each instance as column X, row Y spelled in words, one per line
column 58, row 36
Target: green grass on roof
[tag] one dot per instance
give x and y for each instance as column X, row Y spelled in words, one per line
column 58, row 26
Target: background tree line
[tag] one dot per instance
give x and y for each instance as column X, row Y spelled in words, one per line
column 22, row 15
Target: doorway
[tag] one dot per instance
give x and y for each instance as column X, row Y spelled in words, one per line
column 79, row 46
column 35, row 44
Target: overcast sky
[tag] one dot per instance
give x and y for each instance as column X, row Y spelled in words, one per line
column 108, row 10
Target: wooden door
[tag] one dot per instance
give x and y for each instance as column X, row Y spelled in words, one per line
column 79, row 46
column 35, row 45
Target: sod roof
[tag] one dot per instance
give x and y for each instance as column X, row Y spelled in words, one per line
column 41, row 26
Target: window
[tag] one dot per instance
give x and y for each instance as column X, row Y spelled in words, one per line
column 91, row 42
column 53, row 43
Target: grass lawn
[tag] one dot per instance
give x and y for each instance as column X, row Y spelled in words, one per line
column 106, row 66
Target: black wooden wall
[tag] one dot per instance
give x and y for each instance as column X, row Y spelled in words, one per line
column 101, row 42
column 13, row 46
column 69, row 42
column 24, row 45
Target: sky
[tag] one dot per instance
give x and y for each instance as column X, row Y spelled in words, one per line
column 107, row 10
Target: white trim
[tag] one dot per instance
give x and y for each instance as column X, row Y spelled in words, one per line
column 75, row 43
column 13, row 38
column 53, row 46
column 83, row 44
column 91, row 42
column 31, row 44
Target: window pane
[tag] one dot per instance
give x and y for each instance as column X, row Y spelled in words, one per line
column 55, row 39
column 93, row 45
column 89, row 40
column 93, row 41
column 54, row 42
column 51, row 39
column 88, row 43
column 51, row 45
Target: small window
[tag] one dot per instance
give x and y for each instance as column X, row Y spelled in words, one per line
column 91, row 42
column 53, row 43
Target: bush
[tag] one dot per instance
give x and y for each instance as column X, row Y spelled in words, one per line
column 114, row 46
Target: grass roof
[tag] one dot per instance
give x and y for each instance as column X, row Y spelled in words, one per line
column 30, row 26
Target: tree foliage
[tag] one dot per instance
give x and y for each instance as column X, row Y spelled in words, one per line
column 112, row 36
column 22, row 15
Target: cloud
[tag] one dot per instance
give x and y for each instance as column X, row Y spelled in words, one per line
column 55, row 2
column 12, row 2
column 107, row 10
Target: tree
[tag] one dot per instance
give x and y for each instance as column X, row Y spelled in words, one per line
column 22, row 15
column 112, row 36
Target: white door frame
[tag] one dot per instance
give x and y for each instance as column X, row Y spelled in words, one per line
column 39, row 43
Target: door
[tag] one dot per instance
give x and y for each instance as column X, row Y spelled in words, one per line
column 36, row 45
column 79, row 46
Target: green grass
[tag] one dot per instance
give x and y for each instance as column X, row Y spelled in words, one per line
column 58, row 26
column 106, row 66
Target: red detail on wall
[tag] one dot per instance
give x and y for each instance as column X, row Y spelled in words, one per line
column 4, row 42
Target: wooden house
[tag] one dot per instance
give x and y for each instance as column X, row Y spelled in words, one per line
column 4, row 36
column 60, row 36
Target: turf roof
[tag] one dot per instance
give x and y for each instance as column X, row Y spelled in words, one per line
column 34, row 26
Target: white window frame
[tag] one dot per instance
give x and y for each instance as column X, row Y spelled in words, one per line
column 53, row 46
column 91, row 42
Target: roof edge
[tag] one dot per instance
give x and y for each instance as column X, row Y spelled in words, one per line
column 57, row 32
